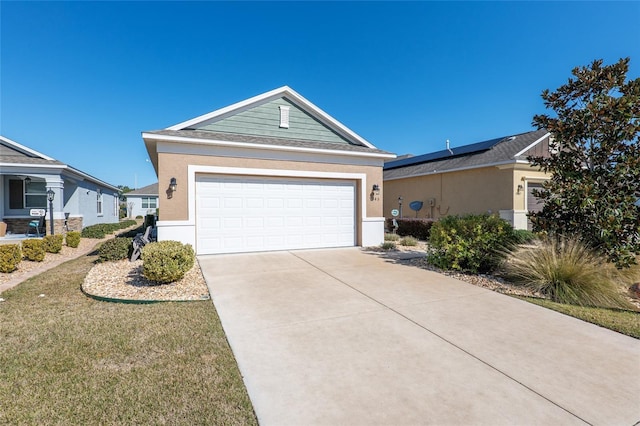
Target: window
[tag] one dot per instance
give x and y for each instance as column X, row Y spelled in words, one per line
column 99, row 202
column 149, row 202
column 23, row 195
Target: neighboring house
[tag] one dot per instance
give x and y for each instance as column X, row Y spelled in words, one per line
column 26, row 176
column 143, row 201
column 492, row 176
column 273, row 172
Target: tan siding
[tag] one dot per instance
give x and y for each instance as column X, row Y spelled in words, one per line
column 176, row 165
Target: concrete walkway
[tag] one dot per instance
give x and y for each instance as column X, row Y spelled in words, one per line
column 327, row 337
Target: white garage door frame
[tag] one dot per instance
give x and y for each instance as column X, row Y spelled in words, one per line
column 185, row 231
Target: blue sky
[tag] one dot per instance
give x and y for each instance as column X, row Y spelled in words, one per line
column 79, row 81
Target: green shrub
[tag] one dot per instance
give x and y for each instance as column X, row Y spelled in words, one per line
column 391, row 237
column 73, row 239
column 415, row 227
column 166, row 261
column 139, row 217
column 52, row 243
column 567, row 271
column 115, row 249
column 132, row 232
column 10, row 257
column 388, row 245
column 472, row 243
column 33, row 250
column 522, row 236
column 408, row 241
column 100, row 230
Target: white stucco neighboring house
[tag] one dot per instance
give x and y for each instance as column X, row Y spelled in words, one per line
column 143, row 201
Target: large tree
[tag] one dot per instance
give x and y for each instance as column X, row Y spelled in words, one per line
column 594, row 161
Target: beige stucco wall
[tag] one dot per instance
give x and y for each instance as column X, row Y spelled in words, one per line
column 482, row 190
column 176, row 165
column 523, row 175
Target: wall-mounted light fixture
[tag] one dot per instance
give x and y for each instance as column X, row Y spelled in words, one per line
column 376, row 189
column 27, row 180
column 520, row 189
column 173, row 184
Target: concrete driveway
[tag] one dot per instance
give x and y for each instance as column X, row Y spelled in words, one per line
column 327, row 337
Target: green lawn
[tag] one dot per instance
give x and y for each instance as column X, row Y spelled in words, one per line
column 68, row 359
column 625, row 322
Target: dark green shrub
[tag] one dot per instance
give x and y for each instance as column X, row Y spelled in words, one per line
column 73, row 239
column 472, row 243
column 139, row 217
column 132, row 232
column 100, row 230
column 33, row 250
column 10, row 257
column 115, row 249
column 52, row 243
column 166, row 261
column 522, row 236
column 415, row 227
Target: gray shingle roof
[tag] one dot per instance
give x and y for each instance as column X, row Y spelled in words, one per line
column 269, row 141
column 145, row 190
column 499, row 150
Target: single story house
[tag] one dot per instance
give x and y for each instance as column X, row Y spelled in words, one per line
column 492, row 176
column 273, row 172
column 143, row 201
column 26, row 176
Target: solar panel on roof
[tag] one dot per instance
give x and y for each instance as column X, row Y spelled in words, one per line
column 440, row 155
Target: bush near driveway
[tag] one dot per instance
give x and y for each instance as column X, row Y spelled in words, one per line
column 415, row 227
column 167, row 261
column 115, row 249
column 100, row 230
column 470, row 243
column 569, row 272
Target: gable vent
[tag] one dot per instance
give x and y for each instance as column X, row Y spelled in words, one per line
column 284, row 116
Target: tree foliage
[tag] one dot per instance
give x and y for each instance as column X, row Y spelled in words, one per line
column 594, row 161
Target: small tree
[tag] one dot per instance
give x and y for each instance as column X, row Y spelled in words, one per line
column 594, row 161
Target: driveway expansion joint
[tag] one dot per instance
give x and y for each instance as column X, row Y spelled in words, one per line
column 460, row 348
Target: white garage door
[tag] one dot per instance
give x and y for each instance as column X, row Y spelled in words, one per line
column 245, row 214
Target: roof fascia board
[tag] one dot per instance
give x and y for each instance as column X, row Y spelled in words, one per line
column 184, row 139
column 25, row 149
column 498, row 164
column 284, row 91
column 532, row 144
column 90, row 178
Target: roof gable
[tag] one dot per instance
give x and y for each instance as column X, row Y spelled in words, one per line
column 263, row 119
column 259, row 116
column 9, row 147
column 149, row 190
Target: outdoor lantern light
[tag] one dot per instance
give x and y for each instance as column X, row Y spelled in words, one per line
column 27, row 180
column 520, row 188
column 173, row 184
column 376, row 189
column 50, row 196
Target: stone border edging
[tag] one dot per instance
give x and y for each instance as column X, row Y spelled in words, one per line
column 137, row 301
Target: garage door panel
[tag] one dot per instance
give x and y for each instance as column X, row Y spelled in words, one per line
column 237, row 214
